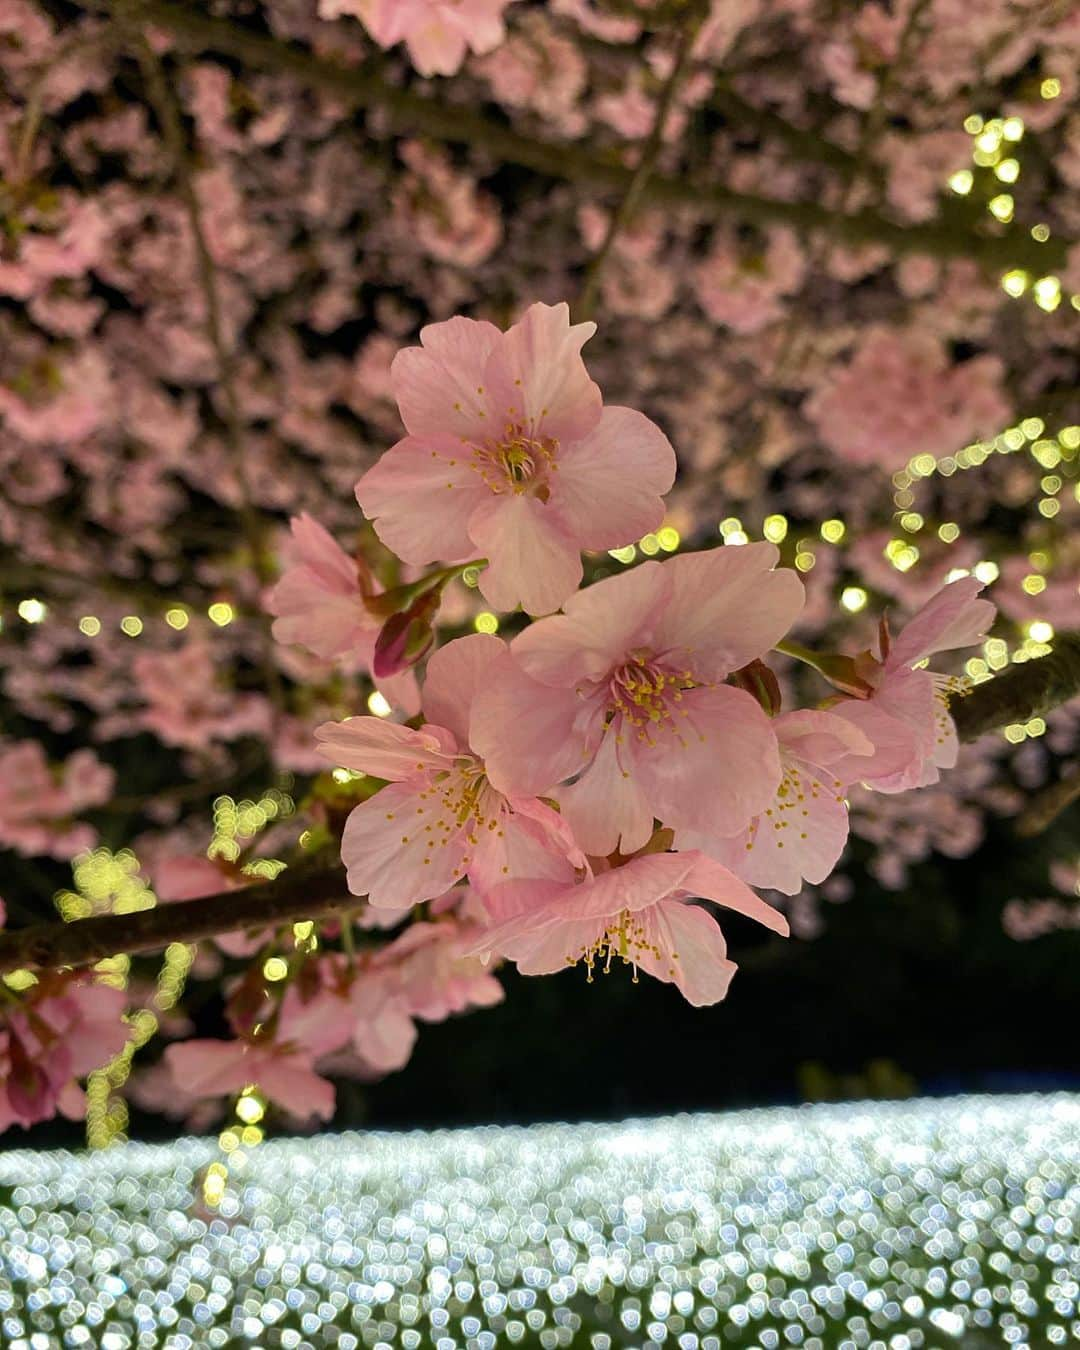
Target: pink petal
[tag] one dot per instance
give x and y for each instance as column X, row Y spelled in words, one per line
column 531, row 561
column 520, row 847
column 385, row 749
column 530, row 736
column 390, row 854
column 538, row 379
column 454, row 675
column 688, row 950
column 715, row 769
column 800, row 838
column 728, row 607
column 315, row 547
column 601, row 625
column 420, row 496
column 209, row 1068
column 952, row 618
column 438, row 385
column 607, row 808
column 608, row 486
column 290, row 1081
column 817, row 737
column 711, row 881
column 900, row 721
column 553, row 947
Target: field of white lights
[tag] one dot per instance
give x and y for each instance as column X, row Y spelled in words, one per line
column 893, row 1226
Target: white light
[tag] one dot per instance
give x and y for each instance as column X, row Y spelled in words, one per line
column 378, row 704
column 32, row 610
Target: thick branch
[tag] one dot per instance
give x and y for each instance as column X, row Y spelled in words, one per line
column 1021, row 692
column 301, row 893
column 411, row 112
column 317, row 892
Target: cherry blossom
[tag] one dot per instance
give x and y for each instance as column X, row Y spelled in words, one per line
column 437, row 33
column 636, row 912
column 440, row 818
column 37, row 804
column 906, row 714
column 626, row 690
column 56, row 1032
column 282, row 1072
column 319, row 602
column 802, row 834
column 511, row 456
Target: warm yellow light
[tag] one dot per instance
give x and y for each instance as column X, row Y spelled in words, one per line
column 955, row 573
column 250, row 1108
column 1013, row 128
column 378, row 705
column 775, row 528
column 649, row 545
column 730, row 525
column 131, row 624
column 89, row 625
column 275, row 969
column 1050, row 506
column 1008, row 171
column 949, row 532
column 832, row 531
column 32, row 610
column 670, row 538
column 737, row 537
column 1047, row 293
column 1050, row 88
column 986, row 571
column 1040, row 631
column 1070, row 437
column 1034, row 584
column 221, row 613
column 486, row 622
column 962, row 182
column 912, row 522
column 1040, row 233
column 623, row 555
column 853, row 598
column 804, row 561
column 922, row 466
column 1001, row 207
column 973, row 124
column 177, row 618
column 1014, row 733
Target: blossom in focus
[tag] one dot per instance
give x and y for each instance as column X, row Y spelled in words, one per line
column 906, row 715
column 626, row 690
column 901, row 396
column 636, row 913
column 58, row 1030
column 437, row 33
column 36, row 804
column 801, row 835
column 439, row 818
column 281, row 1071
column 511, row 456
column 319, row 604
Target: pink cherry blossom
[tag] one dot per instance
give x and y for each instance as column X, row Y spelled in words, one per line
column 637, row 913
column 437, row 33
column 59, row 1030
column 37, row 804
column 901, row 396
column 906, row 716
column 281, row 1072
column 801, row 835
column 510, row 455
column 626, row 689
column 436, row 973
column 440, row 819
column 319, row 604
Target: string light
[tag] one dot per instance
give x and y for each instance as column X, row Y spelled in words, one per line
column 378, row 704
column 32, row 610
column 486, row 622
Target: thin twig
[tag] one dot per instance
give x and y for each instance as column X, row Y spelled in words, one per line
column 650, row 152
column 1045, row 807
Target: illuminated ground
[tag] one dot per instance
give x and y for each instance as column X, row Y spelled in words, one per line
column 921, row 1224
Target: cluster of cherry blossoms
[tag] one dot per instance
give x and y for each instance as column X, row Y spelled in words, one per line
column 581, row 726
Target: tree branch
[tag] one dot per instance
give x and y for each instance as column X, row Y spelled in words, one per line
column 407, row 111
column 311, row 892
column 1021, row 692
column 318, row 891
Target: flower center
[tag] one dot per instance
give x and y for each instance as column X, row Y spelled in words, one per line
column 624, row 937
column 646, row 694
column 456, row 801
column 517, row 462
